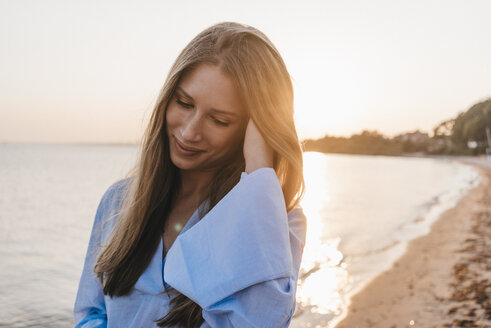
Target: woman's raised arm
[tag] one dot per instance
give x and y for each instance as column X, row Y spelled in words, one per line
column 240, row 263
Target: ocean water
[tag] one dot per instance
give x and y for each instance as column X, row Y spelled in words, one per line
column 48, row 199
column 362, row 211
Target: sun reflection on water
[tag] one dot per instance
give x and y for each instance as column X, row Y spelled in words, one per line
column 322, row 274
column 361, row 213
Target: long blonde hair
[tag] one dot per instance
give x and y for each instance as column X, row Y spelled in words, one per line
column 266, row 90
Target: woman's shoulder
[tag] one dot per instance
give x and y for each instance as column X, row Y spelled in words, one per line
column 111, row 202
column 297, row 213
column 297, row 220
column 117, row 190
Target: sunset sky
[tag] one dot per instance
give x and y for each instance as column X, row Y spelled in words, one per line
column 90, row 71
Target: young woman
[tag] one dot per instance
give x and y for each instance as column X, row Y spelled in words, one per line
column 206, row 231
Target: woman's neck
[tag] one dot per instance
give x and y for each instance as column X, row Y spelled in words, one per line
column 194, row 184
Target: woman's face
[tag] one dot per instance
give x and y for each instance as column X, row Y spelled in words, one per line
column 205, row 120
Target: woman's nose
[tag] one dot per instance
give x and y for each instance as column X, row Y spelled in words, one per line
column 191, row 130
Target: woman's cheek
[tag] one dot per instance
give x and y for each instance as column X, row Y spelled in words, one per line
column 172, row 116
column 234, row 138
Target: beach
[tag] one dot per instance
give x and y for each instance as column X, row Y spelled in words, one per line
column 444, row 277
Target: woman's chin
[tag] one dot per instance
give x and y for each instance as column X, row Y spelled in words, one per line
column 187, row 164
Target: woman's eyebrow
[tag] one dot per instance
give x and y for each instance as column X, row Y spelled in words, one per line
column 224, row 112
column 186, row 95
column 215, row 110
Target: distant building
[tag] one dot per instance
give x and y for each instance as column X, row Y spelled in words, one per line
column 413, row 137
column 439, row 145
column 472, row 144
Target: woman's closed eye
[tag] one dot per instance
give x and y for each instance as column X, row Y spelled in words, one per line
column 184, row 104
column 219, row 122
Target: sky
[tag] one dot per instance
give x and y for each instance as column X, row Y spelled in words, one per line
column 90, row 71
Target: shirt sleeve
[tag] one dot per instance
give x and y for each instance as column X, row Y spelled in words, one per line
column 240, row 262
column 90, row 309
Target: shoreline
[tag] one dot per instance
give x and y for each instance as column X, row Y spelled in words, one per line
column 443, row 278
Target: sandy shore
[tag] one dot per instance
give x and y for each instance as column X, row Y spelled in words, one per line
column 444, row 278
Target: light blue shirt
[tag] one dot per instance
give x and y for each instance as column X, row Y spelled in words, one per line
column 240, row 263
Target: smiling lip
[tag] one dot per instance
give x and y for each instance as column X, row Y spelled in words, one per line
column 186, row 150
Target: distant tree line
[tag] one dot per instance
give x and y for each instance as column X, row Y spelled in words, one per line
column 467, row 134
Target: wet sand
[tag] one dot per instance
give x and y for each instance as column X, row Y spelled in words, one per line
column 443, row 279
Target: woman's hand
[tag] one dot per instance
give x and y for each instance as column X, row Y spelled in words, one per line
column 257, row 152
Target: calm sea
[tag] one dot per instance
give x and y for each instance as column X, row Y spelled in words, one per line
column 362, row 211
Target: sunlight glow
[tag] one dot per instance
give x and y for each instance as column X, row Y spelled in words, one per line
column 322, row 274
